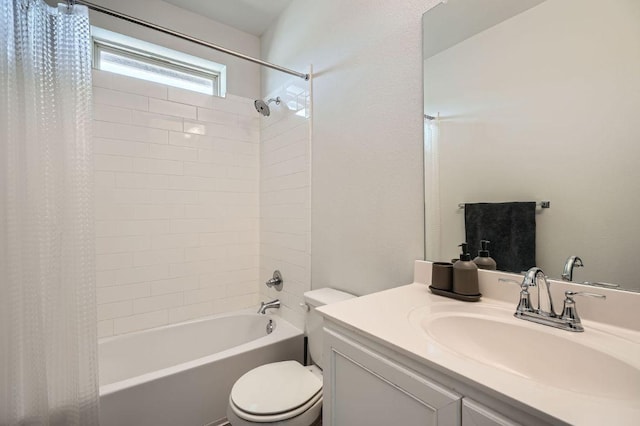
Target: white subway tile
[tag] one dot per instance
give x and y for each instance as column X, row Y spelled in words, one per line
column 187, row 226
column 128, row 132
column 154, row 166
column 205, row 170
column 175, row 240
column 284, row 168
column 116, row 228
column 137, row 86
column 202, row 295
column 229, row 304
column 236, row 147
column 158, row 257
column 191, row 140
column 122, row 292
column 214, row 157
column 171, row 152
column 113, row 261
column 105, row 278
column 293, row 241
column 139, row 196
column 115, row 310
column 286, row 196
column 185, row 313
column 156, row 121
column 292, row 181
column 199, row 267
column 181, row 197
column 125, row 148
column 100, row 78
column 244, row 173
column 102, row 96
column 235, row 185
column 142, row 180
column 107, row 210
column 102, row 112
column 104, row 179
column 140, row 322
column 112, row 163
column 156, row 211
column 172, row 108
column 204, row 253
column 284, row 153
column 193, row 98
column 284, row 133
column 156, row 303
column 174, row 285
column 216, row 116
column 121, row 244
column 105, row 328
column 288, row 225
column 142, row 274
column 243, row 288
column 193, row 183
column 297, row 211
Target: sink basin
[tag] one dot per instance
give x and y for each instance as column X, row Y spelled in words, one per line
column 577, row 362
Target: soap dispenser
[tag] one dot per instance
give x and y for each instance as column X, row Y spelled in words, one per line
column 483, row 260
column 465, row 274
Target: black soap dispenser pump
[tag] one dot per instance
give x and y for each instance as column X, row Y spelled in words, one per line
column 465, row 274
column 483, row 260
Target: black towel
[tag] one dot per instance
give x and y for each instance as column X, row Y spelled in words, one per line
column 511, row 228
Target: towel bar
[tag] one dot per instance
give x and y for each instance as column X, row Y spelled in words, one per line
column 541, row 204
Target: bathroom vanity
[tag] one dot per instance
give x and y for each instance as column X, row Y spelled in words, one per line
column 406, row 356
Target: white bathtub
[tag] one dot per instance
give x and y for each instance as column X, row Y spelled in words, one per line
column 181, row 375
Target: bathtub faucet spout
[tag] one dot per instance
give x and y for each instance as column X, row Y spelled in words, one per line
column 274, row 304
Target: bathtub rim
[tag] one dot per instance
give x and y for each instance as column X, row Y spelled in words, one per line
column 283, row 330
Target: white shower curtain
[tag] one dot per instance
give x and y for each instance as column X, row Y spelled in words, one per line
column 48, row 344
column 432, row 190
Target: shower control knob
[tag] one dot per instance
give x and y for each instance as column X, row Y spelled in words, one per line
column 276, row 281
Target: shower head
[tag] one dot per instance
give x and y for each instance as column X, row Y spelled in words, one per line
column 263, row 107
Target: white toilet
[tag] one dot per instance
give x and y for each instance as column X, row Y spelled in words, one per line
column 286, row 393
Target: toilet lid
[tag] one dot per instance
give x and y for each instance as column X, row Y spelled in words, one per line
column 275, row 388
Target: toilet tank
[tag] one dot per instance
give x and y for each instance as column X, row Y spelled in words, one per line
column 313, row 320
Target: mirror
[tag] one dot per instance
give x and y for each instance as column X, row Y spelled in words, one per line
column 537, row 100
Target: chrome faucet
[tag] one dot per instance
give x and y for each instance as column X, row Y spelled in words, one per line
column 532, row 278
column 567, row 320
column 274, row 304
column 572, row 262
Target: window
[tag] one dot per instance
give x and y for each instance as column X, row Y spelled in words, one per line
column 135, row 58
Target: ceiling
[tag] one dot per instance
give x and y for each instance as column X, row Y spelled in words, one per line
column 250, row 16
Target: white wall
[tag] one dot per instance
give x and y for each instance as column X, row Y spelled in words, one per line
column 285, row 196
column 243, row 77
column 176, row 203
column 367, row 200
column 543, row 107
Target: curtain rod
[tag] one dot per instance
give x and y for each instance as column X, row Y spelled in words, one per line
column 164, row 30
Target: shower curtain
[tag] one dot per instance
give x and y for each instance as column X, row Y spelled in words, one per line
column 48, row 343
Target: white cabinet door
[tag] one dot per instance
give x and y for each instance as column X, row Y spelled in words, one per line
column 475, row 414
column 363, row 388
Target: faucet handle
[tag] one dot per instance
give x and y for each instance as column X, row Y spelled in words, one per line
column 569, row 294
column 524, row 304
column 523, row 283
column 569, row 311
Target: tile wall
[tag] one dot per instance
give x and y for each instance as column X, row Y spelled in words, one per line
column 285, row 196
column 177, row 203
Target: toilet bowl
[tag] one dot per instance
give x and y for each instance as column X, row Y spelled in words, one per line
column 286, row 392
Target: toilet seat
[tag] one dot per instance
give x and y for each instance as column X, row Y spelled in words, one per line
column 299, row 390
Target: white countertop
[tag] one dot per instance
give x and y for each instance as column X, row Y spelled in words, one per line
column 384, row 318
